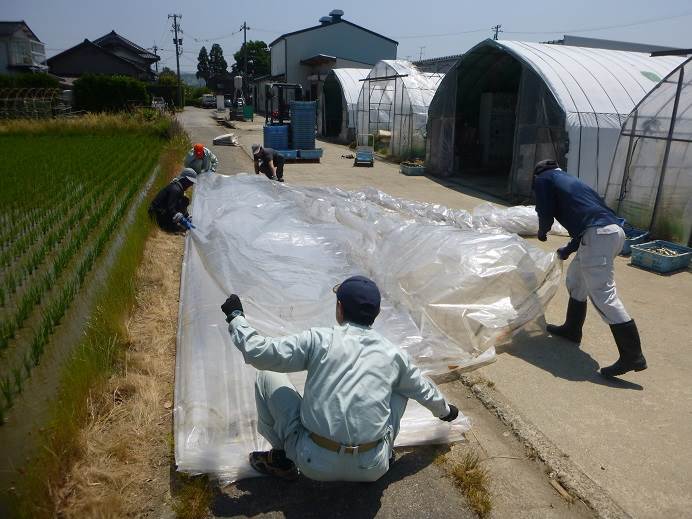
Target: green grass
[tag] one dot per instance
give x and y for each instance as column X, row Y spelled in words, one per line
column 99, row 351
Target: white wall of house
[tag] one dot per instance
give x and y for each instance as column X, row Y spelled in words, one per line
column 20, row 50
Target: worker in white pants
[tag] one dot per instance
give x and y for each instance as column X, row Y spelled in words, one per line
column 591, row 273
column 597, row 238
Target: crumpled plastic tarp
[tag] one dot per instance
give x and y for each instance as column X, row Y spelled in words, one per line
column 449, row 296
column 486, row 217
column 519, row 219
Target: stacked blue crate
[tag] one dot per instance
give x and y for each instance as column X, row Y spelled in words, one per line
column 276, row 137
column 303, row 124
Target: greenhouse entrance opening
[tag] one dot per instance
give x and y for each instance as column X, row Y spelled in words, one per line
column 393, row 106
column 485, row 124
column 333, row 107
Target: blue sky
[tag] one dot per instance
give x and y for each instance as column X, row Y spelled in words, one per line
column 441, row 27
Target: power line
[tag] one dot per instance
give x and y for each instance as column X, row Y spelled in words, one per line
column 588, row 29
column 414, row 36
column 605, row 27
column 216, row 38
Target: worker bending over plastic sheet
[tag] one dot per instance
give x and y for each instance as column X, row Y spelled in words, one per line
column 449, row 295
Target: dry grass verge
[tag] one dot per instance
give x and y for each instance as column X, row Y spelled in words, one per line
column 473, row 480
column 124, row 467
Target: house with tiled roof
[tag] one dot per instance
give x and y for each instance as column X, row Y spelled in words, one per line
column 110, row 54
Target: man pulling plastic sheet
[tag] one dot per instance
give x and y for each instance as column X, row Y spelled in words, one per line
column 448, row 296
column 358, row 383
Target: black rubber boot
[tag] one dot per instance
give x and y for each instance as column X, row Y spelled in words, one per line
column 571, row 330
column 630, row 348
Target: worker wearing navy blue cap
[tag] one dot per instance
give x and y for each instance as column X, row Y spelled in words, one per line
column 597, row 238
column 358, row 383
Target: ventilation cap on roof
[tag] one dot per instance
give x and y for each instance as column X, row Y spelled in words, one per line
column 336, row 15
column 325, row 20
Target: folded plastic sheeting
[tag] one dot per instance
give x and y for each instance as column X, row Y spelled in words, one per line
column 449, row 295
column 486, row 218
column 519, row 219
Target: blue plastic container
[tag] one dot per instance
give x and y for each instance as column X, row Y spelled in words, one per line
column 276, row 137
column 303, row 117
column 310, row 154
column 643, row 256
column 288, row 154
column 633, row 237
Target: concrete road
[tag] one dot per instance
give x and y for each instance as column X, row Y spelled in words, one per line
column 631, row 437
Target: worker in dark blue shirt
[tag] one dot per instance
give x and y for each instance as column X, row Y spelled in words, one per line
column 597, row 238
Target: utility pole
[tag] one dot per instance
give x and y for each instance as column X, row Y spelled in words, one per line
column 156, row 63
column 496, row 30
column 420, row 57
column 178, row 51
column 244, row 27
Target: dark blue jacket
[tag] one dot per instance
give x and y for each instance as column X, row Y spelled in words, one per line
column 571, row 202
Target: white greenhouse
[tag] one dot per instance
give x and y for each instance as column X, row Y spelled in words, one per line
column 339, row 104
column 651, row 177
column 508, row 104
column 394, row 102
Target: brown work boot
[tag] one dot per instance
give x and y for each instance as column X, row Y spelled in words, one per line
column 274, row 463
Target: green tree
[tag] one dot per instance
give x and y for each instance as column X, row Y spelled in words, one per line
column 217, row 63
column 203, row 64
column 167, row 77
column 258, row 58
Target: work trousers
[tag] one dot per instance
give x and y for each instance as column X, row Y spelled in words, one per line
column 278, row 164
column 278, row 420
column 592, row 272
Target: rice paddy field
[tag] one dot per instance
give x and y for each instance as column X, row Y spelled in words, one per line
column 62, row 200
column 70, row 191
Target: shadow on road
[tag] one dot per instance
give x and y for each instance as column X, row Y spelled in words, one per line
column 305, row 499
column 466, row 188
column 561, row 358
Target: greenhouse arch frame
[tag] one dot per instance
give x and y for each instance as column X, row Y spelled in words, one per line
column 339, row 103
column 651, row 176
column 569, row 105
column 395, row 98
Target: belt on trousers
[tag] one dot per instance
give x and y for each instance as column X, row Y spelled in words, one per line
column 333, row 446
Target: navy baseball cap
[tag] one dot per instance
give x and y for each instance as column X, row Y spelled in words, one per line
column 360, row 299
column 545, row 165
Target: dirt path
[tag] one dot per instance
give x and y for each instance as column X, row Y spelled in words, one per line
column 125, row 467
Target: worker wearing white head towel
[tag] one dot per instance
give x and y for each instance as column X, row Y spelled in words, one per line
column 597, row 238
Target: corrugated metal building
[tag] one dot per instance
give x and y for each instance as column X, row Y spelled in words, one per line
column 306, row 56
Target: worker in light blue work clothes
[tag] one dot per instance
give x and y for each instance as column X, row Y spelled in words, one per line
column 597, row 238
column 358, row 383
column 201, row 159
